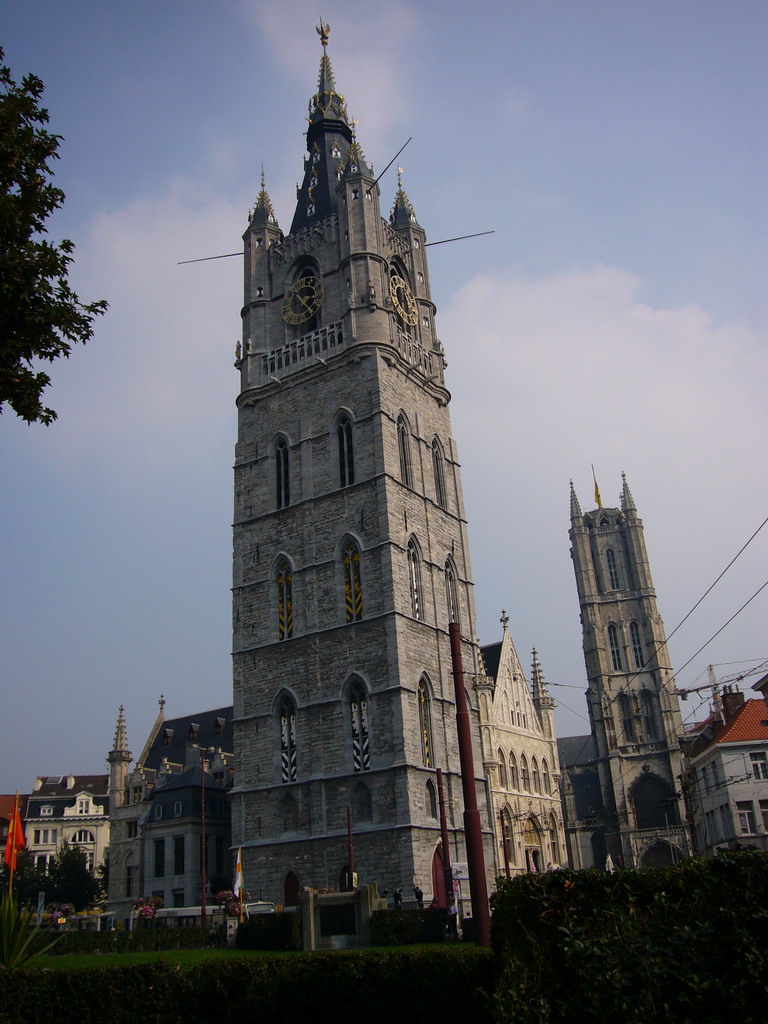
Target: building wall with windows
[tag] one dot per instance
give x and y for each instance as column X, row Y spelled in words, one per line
column 72, row 809
column 726, row 777
column 519, row 752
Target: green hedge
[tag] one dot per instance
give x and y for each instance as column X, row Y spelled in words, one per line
column 688, row 943
column 271, row 931
column 408, row 927
column 140, row 940
column 449, row 984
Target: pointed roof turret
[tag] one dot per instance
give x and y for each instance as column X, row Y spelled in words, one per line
column 627, row 501
column 539, row 690
column 575, row 506
column 121, row 736
column 403, row 215
column 263, row 212
column 333, row 150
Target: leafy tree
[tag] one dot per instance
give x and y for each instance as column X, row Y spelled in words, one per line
column 70, row 881
column 40, row 316
column 28, row 879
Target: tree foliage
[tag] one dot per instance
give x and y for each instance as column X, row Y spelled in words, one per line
column 29, row 880
column 70, row 881
column 40, row 316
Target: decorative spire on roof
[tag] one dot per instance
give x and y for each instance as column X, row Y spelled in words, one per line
column 326, row 104
column 539, row 690
column 627, row 501
column 356, row 162
column 575, row 506
column 403, row 215
column 121, row 736
column 263, row 213
column 504, row 620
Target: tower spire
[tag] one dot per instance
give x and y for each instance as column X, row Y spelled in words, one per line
column 263, row 212
column 627, row 501
column 575, row 506
column 121, row 737
column 403, row 215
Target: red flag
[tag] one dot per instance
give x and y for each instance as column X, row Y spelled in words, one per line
column 15, row 840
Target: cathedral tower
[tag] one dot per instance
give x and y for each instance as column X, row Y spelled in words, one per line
column 633, row 708
column 350, row 541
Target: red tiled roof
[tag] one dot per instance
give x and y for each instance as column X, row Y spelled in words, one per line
column 749, row 723
column 6, row 804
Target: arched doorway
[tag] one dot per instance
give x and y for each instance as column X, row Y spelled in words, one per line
column 653, row 802
column 534, row 858
column 291, row 890
column 438, row 877
column 660, row 855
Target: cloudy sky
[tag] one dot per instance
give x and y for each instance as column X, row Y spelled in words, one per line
column 617, row 317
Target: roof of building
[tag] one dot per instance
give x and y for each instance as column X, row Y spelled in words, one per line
column 491, row 656
column 192, row 778
column 7, row 801
column 206, row 728
column 750, row 722
column 575, row 750
column 58, row 785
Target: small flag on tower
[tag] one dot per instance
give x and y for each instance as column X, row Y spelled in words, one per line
column 598, row 499
column 238, row 872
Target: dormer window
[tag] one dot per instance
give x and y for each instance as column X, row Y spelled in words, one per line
column 46, row 810
column 84, row 806
column 335, row 151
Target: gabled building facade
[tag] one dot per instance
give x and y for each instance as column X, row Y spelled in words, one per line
column 350, row 542
column 156, row 811
column 633, row 707
column 72, row 809
column 726, row 777
column 519, row 752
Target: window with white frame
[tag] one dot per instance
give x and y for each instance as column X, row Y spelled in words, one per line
column 759, row 762
column 745, row 811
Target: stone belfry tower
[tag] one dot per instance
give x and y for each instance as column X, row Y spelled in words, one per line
column 350, row 542
column 633, row 707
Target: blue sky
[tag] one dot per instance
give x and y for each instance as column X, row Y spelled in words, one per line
column 618, row 316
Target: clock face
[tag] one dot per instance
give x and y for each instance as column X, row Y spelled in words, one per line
column 302, row 300
column 403, row 300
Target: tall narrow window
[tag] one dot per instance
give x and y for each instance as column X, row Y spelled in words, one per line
column 502, row 770
column 546, row 781
column 282, row 480
column 613, row 645
column 178, row 855
column 627, row 719
column 524, row 776
column 535, row 785
column 414, row 580
column 353, row 588
column 637, row 647
column 425, row 723
column 430, row 800
column 159, row 858
column 358, row 713
column 404, row 451
column 439, row 472
column 513, row 778
column 346, row 452
column 647, row 714
column 613, row 572
column 288, row 765
column 284, row 601
column 451, row 592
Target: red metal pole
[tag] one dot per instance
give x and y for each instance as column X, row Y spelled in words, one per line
column 447, row 873
column 473, row 835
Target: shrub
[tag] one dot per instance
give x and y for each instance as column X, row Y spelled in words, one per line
column 407, row 927
column 271, row 931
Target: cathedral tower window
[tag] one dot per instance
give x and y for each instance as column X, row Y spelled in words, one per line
column 613, row 645
column 353, row 587
column 404, row 450
column 627, row 718
column 430, row 800
column 284, row 582
column 637, row 647
column 282, row 473
column 362, row 804
column 451, row 592
column 414, row 579
column 438, row 467
column 358, row 715
column 346, row 452
column 613, row 572
column 513, row 776
column 647, row 714
column 288, row 763
column 525, row 778
column 289, row 813
column 425, row 723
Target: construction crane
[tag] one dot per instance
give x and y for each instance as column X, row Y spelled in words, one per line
column 714, row 683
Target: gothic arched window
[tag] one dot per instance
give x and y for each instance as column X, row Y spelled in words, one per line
column 502, row 770
column 534, row 775
column 524, row 776
column 358, row 716
column 647, row 714
column 451, row 592
column 282, row 473
column 284, row 582
column 289, row 813
column 613, row 572
column 430, row 799
column 288, row 763
column 546, row 781
column 414, row 579
column 613, row 645
column 438, row 463
column 404, row 450
column 425, row 723
column 554, row 846
column 362, row 804
column 637, row 647
column 513, row 777
column 346, row 452
column 353, row 587
column 627, row 718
